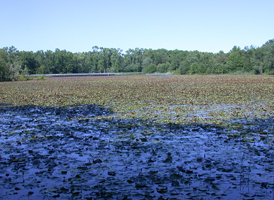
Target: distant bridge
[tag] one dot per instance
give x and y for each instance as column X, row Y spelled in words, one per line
column 78, row 74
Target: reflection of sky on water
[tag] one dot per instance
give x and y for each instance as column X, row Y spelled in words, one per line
column 45, row 155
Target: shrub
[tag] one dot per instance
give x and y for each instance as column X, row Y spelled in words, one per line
column 22, row 77
column 42, row 77
column 271, row 72
column 150, row 69
column 163, row 68
column 176, row 72
column 257, row 71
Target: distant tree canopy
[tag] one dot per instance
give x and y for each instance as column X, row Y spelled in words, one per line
column 251, row 59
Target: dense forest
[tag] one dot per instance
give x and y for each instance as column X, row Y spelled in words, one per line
column 256, row 60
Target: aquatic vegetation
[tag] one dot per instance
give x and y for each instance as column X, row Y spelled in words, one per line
column 138, row 137
column 177, row 99
column 55, row 152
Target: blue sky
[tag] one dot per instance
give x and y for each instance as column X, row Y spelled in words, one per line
column 78, row 25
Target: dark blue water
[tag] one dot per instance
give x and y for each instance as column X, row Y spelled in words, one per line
column 65, row 153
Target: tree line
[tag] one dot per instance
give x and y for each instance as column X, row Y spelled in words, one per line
column 251, row 59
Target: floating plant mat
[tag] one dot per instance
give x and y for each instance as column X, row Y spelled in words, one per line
column 72, row 153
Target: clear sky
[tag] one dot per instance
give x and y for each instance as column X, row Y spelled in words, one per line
column 78, row 25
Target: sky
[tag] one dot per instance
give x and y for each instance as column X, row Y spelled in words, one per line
column 78, row 25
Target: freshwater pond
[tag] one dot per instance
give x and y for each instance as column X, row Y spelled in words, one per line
column 65, row 153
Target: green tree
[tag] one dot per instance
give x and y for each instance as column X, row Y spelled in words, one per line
column 40, row 57
column 4, row 68
column 132, row 68
column 268, row 56
column 150, row 69
column 235, row 60
column 186, row 64
column 28, row 62
column 160, row 56
column 101, row 66
column 194, row 68
column 206, row 63
column 13, row 62
column 176, row 58
column 146, row 62
column 71, row 63
column 81, row 63
column 220, row 63
column 163, row 67
column 248, row 55
column 115, row 63
column 49, row 62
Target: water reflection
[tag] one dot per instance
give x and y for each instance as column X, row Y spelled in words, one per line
column 55, row 152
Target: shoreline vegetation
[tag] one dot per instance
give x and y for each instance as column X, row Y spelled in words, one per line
column 250, row 60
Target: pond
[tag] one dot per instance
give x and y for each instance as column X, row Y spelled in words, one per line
column 68, row 153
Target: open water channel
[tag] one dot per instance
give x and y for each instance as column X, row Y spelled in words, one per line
column 64, row 153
